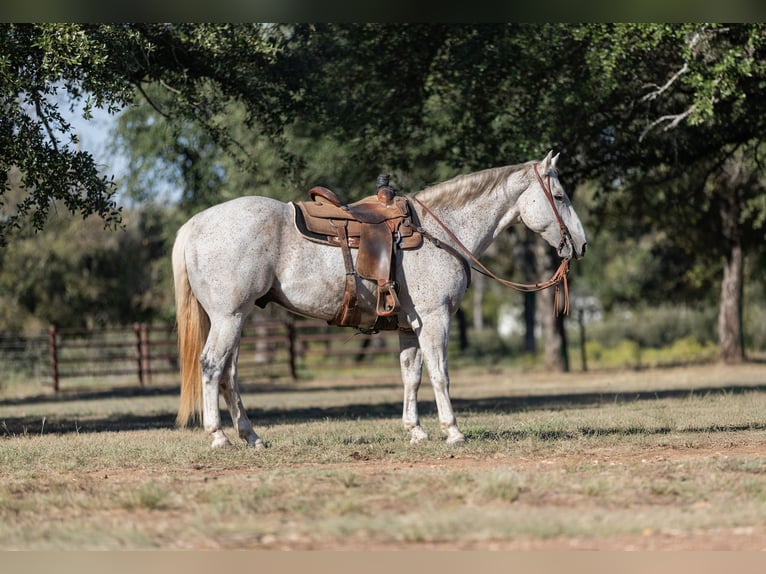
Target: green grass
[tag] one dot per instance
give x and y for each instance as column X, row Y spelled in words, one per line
column 600, row 458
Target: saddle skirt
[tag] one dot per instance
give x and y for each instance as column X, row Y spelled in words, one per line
column 319, row 220
column 377, row 226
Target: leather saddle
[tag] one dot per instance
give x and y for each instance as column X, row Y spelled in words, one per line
column 377, row 226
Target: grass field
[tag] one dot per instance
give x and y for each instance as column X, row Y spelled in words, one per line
column 655, row 459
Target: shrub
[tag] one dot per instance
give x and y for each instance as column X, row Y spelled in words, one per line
column 655, row 327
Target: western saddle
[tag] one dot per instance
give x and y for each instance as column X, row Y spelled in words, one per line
column 377, row 226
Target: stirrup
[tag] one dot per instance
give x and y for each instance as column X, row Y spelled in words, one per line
column 388, row 302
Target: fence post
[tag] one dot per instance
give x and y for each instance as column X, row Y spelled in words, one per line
column 145, row 354
column 263, row 347
column 291, row 351
column 583, row 351
column 53, row 351
column 139, row 366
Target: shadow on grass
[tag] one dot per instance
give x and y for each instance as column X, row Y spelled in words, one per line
column 134, row 391
column 585, row 432
column 63, row 424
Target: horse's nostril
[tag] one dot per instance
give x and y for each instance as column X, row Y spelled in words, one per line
column 584, row 247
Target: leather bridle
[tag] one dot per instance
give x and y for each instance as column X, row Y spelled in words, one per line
column 558, row 280
column 565, row 234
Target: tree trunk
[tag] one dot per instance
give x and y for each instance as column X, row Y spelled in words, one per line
column 524, row 255
column 730, row 347
column 462, row 325
column 730, row 311
column 530, row 319
column 556, row 354
column 479, row 284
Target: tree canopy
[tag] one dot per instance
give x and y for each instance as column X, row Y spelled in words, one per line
column 664, row 121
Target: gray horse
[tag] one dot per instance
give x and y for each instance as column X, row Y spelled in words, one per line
column 229, row 256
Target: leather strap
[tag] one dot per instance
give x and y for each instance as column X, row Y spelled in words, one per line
column 565, row 235
column 348, row 314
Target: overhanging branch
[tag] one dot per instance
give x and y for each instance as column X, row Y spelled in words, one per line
column 661, row 89
column 44, row 120
column 673, row 119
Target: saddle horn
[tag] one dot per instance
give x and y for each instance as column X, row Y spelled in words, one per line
column 384, row 191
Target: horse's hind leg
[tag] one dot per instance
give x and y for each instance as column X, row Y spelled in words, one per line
column 411, row 361
column 217, row 359
column 230, row 389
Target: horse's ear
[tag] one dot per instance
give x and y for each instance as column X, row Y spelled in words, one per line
column 546, row 163
column 554, row 160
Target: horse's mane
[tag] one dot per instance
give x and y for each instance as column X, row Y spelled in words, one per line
column 461, row 189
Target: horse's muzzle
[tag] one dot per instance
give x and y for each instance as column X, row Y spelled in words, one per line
column 572, row 252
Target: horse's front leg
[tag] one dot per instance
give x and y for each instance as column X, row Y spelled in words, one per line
column 411, row 361
column 433, row 338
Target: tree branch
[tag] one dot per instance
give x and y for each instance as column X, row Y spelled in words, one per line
column 673, row 119
column 169, row 88
column 44, row 120
column 218, row 134
column 661, row 89
column 150, row 102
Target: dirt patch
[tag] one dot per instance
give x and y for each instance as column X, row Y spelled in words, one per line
column 590, row 464
column 742, row 538
column 736, row 539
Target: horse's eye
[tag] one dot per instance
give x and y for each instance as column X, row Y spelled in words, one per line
column 558, row 196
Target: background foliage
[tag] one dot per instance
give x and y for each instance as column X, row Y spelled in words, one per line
column 659, row 127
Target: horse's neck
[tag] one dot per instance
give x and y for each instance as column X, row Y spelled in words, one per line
column 477, row 223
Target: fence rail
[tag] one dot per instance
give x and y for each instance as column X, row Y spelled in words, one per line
column 143, row 354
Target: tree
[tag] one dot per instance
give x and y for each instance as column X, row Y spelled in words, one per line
column 37, row 63
column 685, row 145
column 103, row 66
column 77, row 274
column 660, row 113
column 463, row 98
column 178, row 162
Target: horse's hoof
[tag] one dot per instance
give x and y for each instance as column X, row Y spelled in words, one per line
column 252, row 440
column 220, row 440
column 418, row 435
column 457, row 439
column 258, row 445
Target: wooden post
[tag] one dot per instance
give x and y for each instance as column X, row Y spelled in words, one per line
column 146, row 364
column 263, row 350
column 291, row 351
column 139, row 357
column 53, row 349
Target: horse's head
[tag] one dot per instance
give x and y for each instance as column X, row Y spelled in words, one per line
column 545, row 208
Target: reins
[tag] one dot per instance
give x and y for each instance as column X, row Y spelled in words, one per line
column 558, row 280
